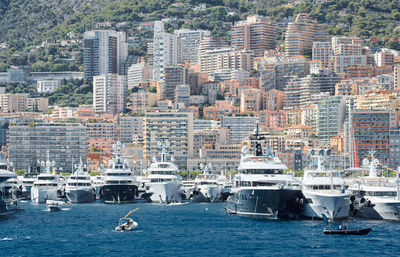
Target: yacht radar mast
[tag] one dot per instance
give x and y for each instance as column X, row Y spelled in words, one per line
column 256, row 137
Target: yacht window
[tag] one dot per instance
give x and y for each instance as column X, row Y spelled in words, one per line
column 207, row 183
column 259, row 184
column 262, row 171
column 374, row 193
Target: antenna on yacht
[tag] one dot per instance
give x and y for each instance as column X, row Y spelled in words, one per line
column 257, row 141
column 164, row 144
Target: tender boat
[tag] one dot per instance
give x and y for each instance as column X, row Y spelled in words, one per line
column 360, row 231
column 262, row 188
column 54, row 205
column 119, row 183
column 325, row 193
column 127, row 224
column 162, row 179
column 343, row 230
column 79, row 187
column 375, row 197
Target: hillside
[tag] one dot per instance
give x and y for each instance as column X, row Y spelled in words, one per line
column 27, row 23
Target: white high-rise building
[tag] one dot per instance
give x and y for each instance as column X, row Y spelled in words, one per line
column 139, row 72
column 104, row 52
column 109, row 93
column 188, row 44
column 165, row 50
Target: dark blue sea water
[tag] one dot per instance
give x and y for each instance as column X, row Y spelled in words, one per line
column 187, row 230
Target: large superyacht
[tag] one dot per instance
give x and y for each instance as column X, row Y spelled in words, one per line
column 262, row 189
column 79, row 187
column 47, row 185
column 119, row 183
column 325, row 193
column 374, row 196
column 163, row 180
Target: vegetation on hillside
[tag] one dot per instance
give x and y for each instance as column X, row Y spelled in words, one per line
column 31, row 31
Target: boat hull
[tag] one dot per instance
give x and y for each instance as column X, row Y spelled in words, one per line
column 165, row 192
column 206, row 194
column 80, row 195
column 361, row 231
column 378, row 211
column 333, row 206
column 270, row 203
column 41, row 194
column 118, row 193
column 7, row 207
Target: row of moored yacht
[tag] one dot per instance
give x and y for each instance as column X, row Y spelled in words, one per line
column 118, row 184
column 262, row 187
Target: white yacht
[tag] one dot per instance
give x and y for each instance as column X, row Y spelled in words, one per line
column 262, row 188
column 46, row 186
column 163, row 180
column 119, row 183
column 375, row 197
column 27, row 181
column 325, row 193
column 8, row 204
column 79, row 187
column 207, row 186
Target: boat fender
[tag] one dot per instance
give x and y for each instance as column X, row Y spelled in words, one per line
column 369, row 204
column 362, row 200
column 352, row 198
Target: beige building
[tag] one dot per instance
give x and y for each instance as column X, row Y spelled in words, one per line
column 301, row 34
column 225, row 58
column 378, row 99
column 384, row 58
column 346, row 45
column 176, row 126
column 208, row 138
column 256, row 33
column 13, row 102
column 40, row 104
column 273, row 100
column 309, row 116
column 139, row 72
column 251, row 100
column 141, row 101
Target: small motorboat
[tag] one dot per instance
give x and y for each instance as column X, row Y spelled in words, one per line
column 54, row 205
column 127, row 224
column 178, row 203
column 359, row 231
column 343, row 230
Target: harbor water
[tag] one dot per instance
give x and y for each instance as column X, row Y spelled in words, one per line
column 194, row 229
